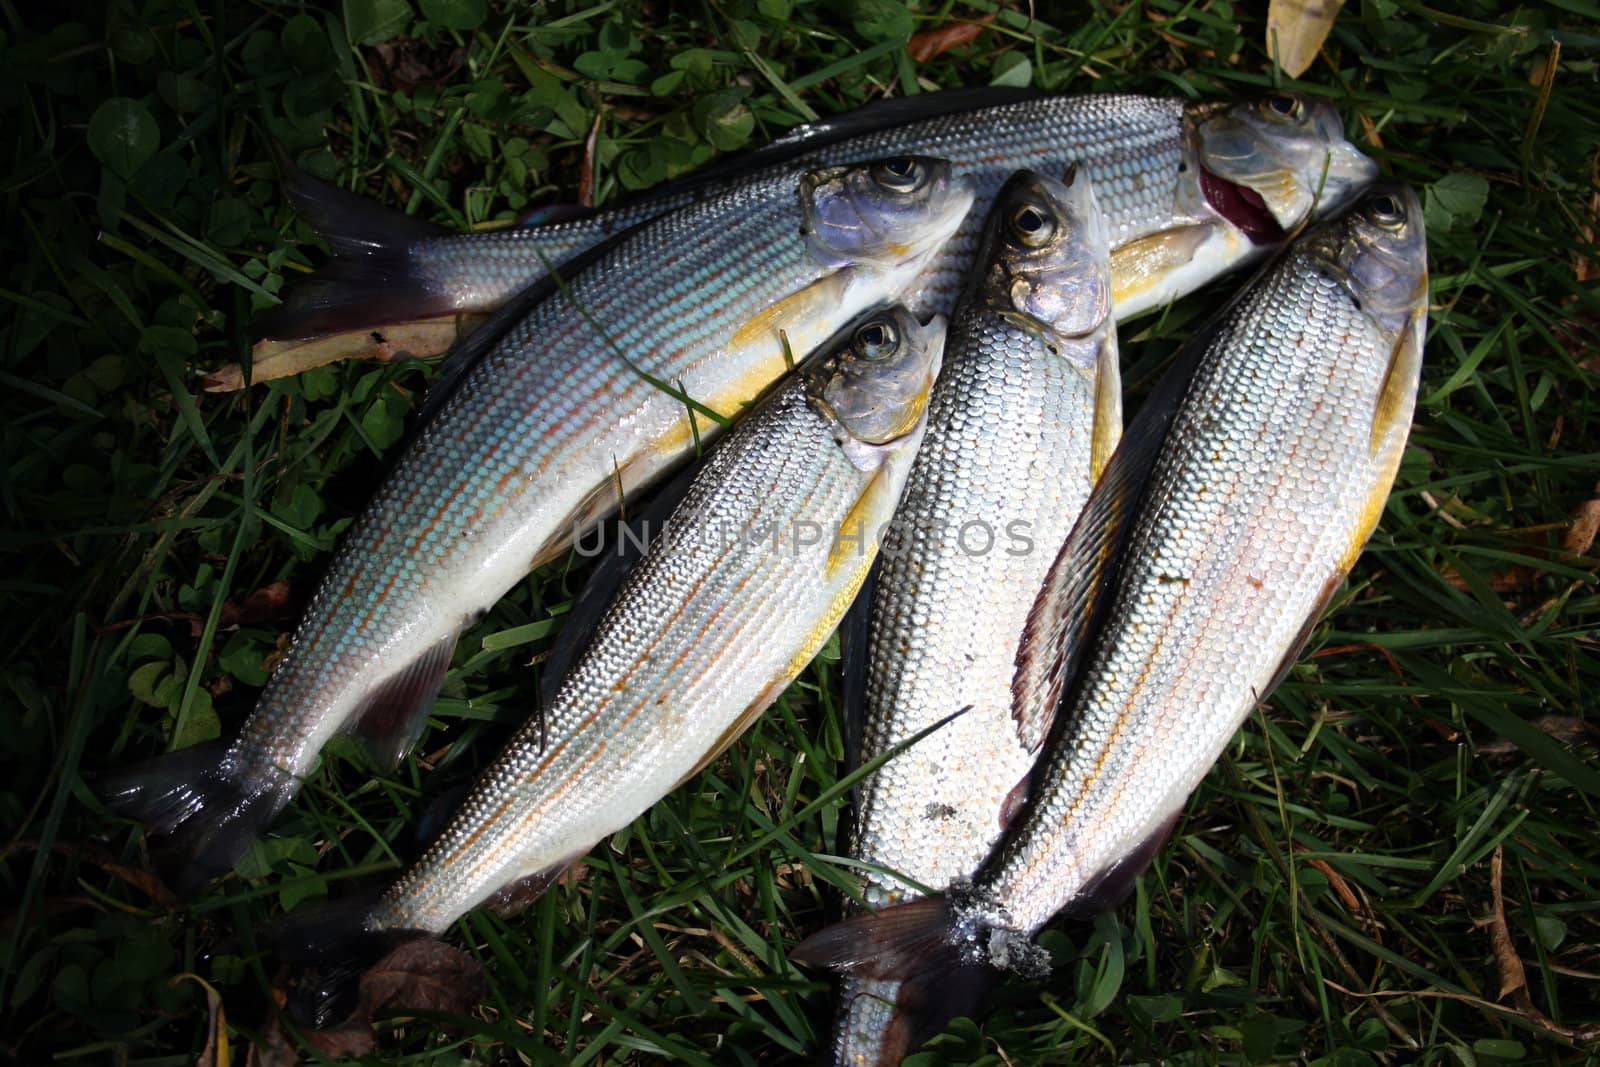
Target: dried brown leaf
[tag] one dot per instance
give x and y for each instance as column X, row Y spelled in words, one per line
column 272, row 1048
column 353, row 1037
column 408, row 62
column 1352, row 903
column 1576, row 541
column 419, row 975
column 1583, row 267
column 422, row 975
column 145, row 882
column 266, row 604
column 217, row 1052
column 1513, row 978
column 586, row 171
column 1296, row 30
column 1369, row 130
column 269, row 602
column 936, row 42
column 281, row 359
column 1568, row 729
column 1585, row 524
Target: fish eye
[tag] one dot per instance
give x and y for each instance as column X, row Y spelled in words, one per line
column 1286, row 106
column 1386, row 210
column 876, row 340
column 900, row 174
column 1031, row 226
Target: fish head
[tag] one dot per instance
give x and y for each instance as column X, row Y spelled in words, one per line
column 1047, row 253
column 1268, row 165
column 886, row 211
column 873, row 384
column 1378, row 251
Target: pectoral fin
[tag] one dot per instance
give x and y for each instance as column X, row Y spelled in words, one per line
column 1391, row 425
column 514, row 897
column 1079, row 581
column 740, row 724
column 1145, row 262
column 1105, row 890
column 1107, row 408
column 793, row 315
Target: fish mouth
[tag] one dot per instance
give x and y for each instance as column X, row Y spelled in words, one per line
column 1242, row 206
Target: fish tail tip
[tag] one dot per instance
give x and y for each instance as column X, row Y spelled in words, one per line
column 202, row 817
column 897, row 943
column 373, row 278
column 920, row 1009
column 326, row 949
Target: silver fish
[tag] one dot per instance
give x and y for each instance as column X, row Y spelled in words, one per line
column 601, row 388
column 1193, row 189
column 1026, row 412
column 1236, row 504
column 749, row 577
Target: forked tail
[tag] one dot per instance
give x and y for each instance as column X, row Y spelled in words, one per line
column 942, row 971
column 882, row 1023
column 203, row 813
column 372, row 280
column 327, row 949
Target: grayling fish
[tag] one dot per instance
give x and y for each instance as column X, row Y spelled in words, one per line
column 603, row 386
column 1189, row 190
column 1026, row 411
column 1236, row 503
column 748, row 578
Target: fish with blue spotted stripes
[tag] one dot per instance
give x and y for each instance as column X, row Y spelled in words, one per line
column 701, row 637
column 1189, row 190
column 1223, row 526
column 606, row 384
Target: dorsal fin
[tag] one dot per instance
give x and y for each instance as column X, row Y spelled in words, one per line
column 855, row 631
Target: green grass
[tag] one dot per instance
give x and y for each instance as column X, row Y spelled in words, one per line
column 1325, row 898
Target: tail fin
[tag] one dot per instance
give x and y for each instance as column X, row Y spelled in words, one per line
column 917, row 945
column 206, row 816
column 898, row 943
column 905, row 941
column 372, row 279
column 327, row 949
column 919, row 1010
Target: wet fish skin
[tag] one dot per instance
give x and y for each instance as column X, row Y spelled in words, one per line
column 1270, row 478
column 707, row 631
column 1165, row 171
column 1029, row 382
column 581, row 400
